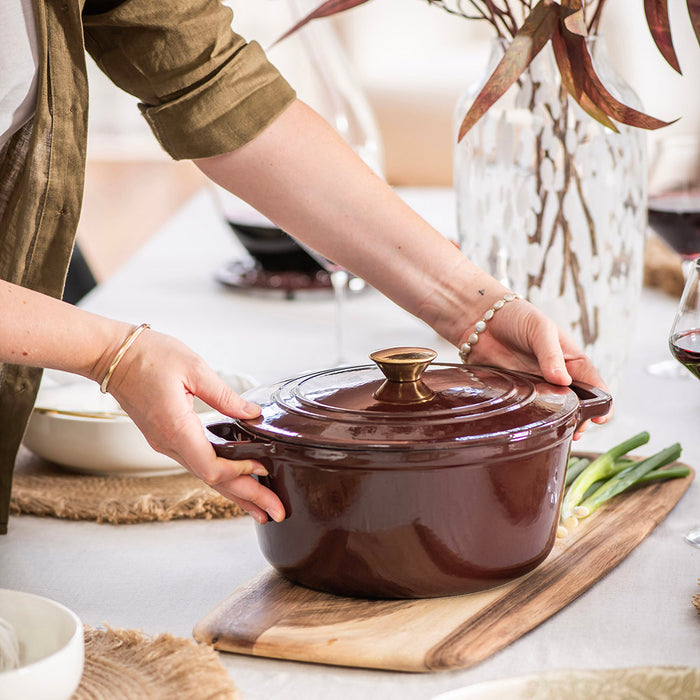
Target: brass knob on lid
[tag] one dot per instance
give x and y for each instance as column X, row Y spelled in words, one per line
column 403, row 368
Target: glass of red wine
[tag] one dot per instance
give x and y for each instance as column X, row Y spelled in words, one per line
column 684, row 342
column 674, row 211
column 684, row 339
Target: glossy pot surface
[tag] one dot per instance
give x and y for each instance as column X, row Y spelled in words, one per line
column 400, row 485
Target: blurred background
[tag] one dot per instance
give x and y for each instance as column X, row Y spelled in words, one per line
column 412, row 62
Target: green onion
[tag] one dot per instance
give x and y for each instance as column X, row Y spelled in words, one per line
column 575, row 467
column 667, row 473
column 626, row 478
column 623, row 463
column 602, row 467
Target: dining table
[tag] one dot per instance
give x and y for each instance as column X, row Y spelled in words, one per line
column 165, row 576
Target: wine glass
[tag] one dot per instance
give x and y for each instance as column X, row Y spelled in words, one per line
column 674, row 210
column 684, row 342
column 340, row 278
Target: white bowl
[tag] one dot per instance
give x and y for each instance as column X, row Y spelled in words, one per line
column 76, row 426
column 51, row 648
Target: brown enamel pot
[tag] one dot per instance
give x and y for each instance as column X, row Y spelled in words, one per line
column 407, row 479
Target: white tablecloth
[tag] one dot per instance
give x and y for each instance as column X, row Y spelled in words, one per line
column 164, row 577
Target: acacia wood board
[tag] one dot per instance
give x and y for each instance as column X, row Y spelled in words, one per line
column 271, row 617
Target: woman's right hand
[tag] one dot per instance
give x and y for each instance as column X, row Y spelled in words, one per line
column 155, row 383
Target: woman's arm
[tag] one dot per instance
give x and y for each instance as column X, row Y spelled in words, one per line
column 305, row 178
column 155, row 383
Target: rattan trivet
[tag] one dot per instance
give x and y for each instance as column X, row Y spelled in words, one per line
column 123, row 664
column 41, row 488
column 696, row 600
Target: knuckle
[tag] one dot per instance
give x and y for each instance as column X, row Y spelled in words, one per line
column 217, row 476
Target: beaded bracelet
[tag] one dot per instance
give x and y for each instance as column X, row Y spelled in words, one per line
column 480, row 326
column 120, row 353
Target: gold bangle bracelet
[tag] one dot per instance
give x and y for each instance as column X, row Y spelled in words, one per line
column 120, row 353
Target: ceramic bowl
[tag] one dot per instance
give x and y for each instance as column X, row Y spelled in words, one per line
column 51, row 648
column 77, row 427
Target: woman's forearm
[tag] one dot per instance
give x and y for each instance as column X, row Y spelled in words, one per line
column 37, row 330
column 306, row 179
column 40, row 331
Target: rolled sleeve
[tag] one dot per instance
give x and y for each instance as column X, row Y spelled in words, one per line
column 202, row 89
column 224, row 112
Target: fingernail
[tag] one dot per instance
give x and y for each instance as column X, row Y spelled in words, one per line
column 260, row 471
column 260, row 518
column 251, row 408
column 276, row 515
column 565, row 376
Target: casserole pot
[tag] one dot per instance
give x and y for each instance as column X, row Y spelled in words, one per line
column 408, row 480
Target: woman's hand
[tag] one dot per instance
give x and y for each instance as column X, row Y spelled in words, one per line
column 155, row 383
column 521, row 337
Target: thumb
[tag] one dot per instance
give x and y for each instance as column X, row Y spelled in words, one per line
column 219, row 395
column 550, row 357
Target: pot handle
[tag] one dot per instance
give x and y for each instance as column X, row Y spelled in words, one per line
column 593, row 402
column 231, row 442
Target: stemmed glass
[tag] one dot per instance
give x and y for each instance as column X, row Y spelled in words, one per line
column 684, row 342
column 339, row 277
column 674, row 210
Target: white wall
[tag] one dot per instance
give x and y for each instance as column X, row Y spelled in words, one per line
column 663, row 92
column 413, row 61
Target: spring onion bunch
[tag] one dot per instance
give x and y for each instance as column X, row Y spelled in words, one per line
column 590, row 483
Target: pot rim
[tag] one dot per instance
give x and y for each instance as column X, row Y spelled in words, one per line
column 408, row 445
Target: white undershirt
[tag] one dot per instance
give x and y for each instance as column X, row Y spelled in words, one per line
column 18, row 66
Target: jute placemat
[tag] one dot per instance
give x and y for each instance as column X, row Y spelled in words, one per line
column 41, row 488
column 123, row 664
column 662, row 267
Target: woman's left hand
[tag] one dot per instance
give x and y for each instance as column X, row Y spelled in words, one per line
column 521, row 337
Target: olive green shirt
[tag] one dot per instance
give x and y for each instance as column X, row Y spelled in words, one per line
column 202, row 89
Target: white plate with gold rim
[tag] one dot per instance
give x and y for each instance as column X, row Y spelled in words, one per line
column 658, row 682
column 77, row 427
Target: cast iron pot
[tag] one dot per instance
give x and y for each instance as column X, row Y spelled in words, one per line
column 412, row 481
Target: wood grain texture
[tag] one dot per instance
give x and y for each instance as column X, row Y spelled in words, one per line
column 272, row 617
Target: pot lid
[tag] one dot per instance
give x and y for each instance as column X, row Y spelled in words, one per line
column 405, row 402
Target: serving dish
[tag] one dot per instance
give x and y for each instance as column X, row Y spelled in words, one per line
column 659, row 682
column 409, row 480
column 77, row 427
column 51, row 648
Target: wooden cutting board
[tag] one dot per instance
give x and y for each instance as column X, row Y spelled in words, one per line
column 271, row 617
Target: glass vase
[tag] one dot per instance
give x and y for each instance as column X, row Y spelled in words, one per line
column 553, row 204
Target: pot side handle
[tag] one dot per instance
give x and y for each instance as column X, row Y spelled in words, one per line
column 231, row 442
column 593, row 402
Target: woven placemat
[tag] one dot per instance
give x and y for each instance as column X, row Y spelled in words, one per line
column 123, row 664
column 44, row 489
column 662, row 267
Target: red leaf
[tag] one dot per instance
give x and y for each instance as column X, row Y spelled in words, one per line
column 526, row 44
column 598, row 93
column 656, row 12
column 694, row 12
column 572, row 78
column 572, row 15
column 326, row 9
